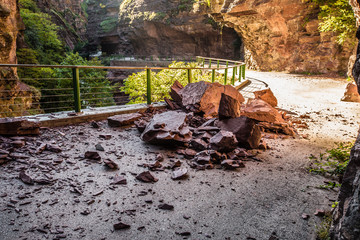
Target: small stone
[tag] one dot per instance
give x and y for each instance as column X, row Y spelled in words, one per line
column 18, row 144
column 319, row 212
column 165, row 206
column 146, row 177
column 230, row 164
column 41, row 148
column 179, row 173
column 118, row 180
column 92, row 155
column 123, row 119
column 111, row 164
column 121, row 226
column 53, row 148
column 305, row 216
column 105, row 137
column 94, row 124
column 26, row 178
column 160, row 157
column 99, row 147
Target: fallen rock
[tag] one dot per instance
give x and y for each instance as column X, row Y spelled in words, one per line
column 160, row 157
column 99, row 147
column 41, row 148
column 53, row 148
column 10, row 126
column 229, row 107
column 141, row 125
column 245, row 130
column 202, row 157
column 266, row 95
column 167, row 128
column 26, row 178
column 111, row 164
column 105, row 136
column 232, row 164
column 175, row 91
column 92, row 155
column 198, row 144
column 18, row 144
column 179, row 173
column 277, row 128
column 119, row 180
column 189, row 153
column 94, row 124
column 261, row 111
column 123, row 119
column 146, row 177
column 166, row 206
column 237, row 154
column 351, row 93
column 121, row 226
column 223, row 141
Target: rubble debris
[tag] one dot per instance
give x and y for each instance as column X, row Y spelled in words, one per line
column 168, row 127
column 53, row 148
column 121, row 226
column 118, row 180
column 41, row 148
column 94, row 124
column 160, row 157
column 165, row 206
column 223, row 141
column 175, row 91
column 179, row 173
column 18, row 144
column 232, row 164
column 229, row 107
column 111, row 164
column 198, row 144
column 351, row 93
column 99, row 147
column 141, row 125
column 105, row 136
column 319, row 212
column 11, row 126
column 266, row 95
column 92, row 155
column 146, row 177
column 123, row 119
column 25, row 178
column 261, row 111
column 277, row 128
column 247, row 133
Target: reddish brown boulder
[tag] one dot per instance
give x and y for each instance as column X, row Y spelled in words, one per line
column 229, row 107
column 261, row 111
column 223, row 141
column 198, row 144
column 266, row 95
column 167, row 128
column 246, row 131
column 123, row 119
column 92, row 155
column 146, row 177
column 18, row 127
column 351, row 94
column 175, row 92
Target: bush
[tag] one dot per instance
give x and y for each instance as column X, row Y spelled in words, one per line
column 135, row 85
column 108, row 24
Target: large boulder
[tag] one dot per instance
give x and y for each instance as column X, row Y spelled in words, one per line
column 246, row 131
column 229, row 107
column 351, row 94
column 266, row 95
column 167, row 128
column 205, row 97
column 261, row 111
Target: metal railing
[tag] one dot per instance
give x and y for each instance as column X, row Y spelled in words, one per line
column 75, row 92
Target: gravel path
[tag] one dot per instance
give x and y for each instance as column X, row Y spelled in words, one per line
column 263, row 199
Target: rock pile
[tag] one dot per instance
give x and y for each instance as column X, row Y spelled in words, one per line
column 210, row 124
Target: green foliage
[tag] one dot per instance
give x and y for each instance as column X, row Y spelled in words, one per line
column 135, row 85
column 323, row 229
column 109, row 24
column 337, row 16
column 96, row 90
column 186, row 5
column 40, row 33
column 332, row 163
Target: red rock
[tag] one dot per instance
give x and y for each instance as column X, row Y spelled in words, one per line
column 123, row 119
column 223, row 141
column 141, row 125
column 18, row 144
column 261, row 111
column 118, row 180
column 26, row 178
column 160, row 157
column 175, row 92
column 121, row 226
column 202, row 158
column 179, row 173
column 167, row 128
column 146, row 177
column 319, row 212
column 266, row 95
column 10, row 126
column 189, row 153
column 53, row 148
column 41, row 148
column 92, row 155
column 229, row 107
column 111, row 164
column 351, row 93
column 230, row 164
column 198, row 144
column 94, row 124
column 238, row 153
column 175, row 164
column 245, row 130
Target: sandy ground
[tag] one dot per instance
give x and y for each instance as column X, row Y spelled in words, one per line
column 263, row 199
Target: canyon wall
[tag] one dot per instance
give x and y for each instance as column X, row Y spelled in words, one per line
column 159, row 28
column 15, row 97
column 283, row 35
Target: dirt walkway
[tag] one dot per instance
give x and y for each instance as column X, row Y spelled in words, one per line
column 263, row 199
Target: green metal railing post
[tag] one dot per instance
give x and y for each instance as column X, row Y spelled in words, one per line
column 233, row 76
column 148, row 86
column 189, row 75
column 240, row 67
column 209, row 63
column 226, row 72
column 213, row 76
column 76, row 86
column 203, row 62
column 243, row 72
column 218, row 63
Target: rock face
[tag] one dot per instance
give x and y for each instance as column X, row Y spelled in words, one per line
column 159, row 28
column 282, row 35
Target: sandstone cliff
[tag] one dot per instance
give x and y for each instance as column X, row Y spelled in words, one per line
column 15, row 96
column 283, row 35
column 159, row 28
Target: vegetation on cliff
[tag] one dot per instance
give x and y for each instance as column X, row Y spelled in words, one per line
column 337, row 16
